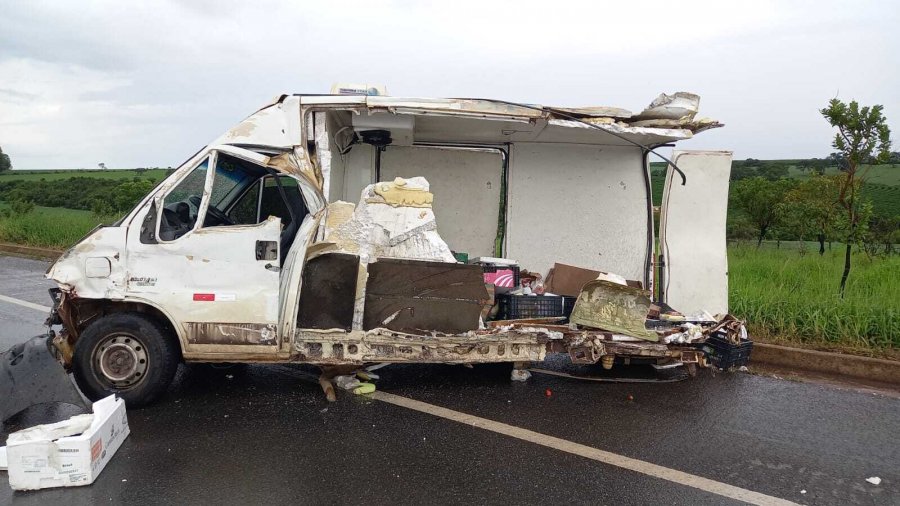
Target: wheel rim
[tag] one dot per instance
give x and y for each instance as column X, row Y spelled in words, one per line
column 121, row 361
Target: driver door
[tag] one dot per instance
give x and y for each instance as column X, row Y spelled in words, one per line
column 217, row 279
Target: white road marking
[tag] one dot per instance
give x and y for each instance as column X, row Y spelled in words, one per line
column 639, row 466
column 25, row 303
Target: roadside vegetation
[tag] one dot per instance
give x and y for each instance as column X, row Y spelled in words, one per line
column 53, row 210
column 788, row 297
column 46, row 227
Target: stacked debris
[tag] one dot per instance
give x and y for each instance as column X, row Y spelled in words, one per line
column 392, row 219
column 610, row 312
column 409, row 283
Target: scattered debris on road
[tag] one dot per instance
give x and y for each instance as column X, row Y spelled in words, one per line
column 520, row 375
column 364, row 388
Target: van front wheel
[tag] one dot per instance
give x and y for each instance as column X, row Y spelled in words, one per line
column 126, row 354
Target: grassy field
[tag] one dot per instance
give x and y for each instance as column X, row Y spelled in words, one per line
column 53, row 175
column 792, row 298
column 49, row 227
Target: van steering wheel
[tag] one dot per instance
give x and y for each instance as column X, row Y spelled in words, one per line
column 211, row 209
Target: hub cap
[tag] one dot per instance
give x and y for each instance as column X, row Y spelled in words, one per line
column 121, row 360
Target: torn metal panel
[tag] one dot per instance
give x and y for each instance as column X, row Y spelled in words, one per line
column 383, row 345
column 231, row 333
column 421, row 297
column 290, row 284
column 276, row 125
column 329, row 292
column 694, row 125
column 291, row 163
column 598, row 112
column 644, row 135
column 453, row 106
column 617, row 308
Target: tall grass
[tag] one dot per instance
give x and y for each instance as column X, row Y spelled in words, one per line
column 785, row 296
column 49, row 227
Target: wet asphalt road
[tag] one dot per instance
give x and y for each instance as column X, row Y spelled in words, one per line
column 265, row 434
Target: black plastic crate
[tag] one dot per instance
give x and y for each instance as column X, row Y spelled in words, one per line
column 568, row 305
column 724, row 354
column 513, row 307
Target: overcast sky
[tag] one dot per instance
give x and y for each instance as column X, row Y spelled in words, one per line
column 147, row 85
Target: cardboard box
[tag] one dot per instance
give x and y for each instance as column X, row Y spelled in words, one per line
column 568, row 280
column 69, row 453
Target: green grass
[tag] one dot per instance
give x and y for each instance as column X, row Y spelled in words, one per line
column 53, row 175
column 786, row 297
column 49, row 227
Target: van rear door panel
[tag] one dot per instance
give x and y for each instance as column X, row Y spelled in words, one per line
column 692, row 232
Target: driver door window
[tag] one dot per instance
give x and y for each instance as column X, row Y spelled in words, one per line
column 182, row 204
column 246, row 209
column 234, row 179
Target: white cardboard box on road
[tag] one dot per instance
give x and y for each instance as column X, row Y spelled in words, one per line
column 48, row 456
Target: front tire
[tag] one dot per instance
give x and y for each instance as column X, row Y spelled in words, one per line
column 127, row 354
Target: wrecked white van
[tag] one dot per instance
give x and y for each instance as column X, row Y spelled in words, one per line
column 334, row 229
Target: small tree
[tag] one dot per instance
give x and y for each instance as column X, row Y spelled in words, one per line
column 5, row 164
column 811, row 208
column 759, row 199
column 863, row 138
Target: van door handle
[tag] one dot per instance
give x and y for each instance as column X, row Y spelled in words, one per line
column 273, row 268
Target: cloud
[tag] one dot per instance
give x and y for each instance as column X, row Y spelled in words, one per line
column 133, row 84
